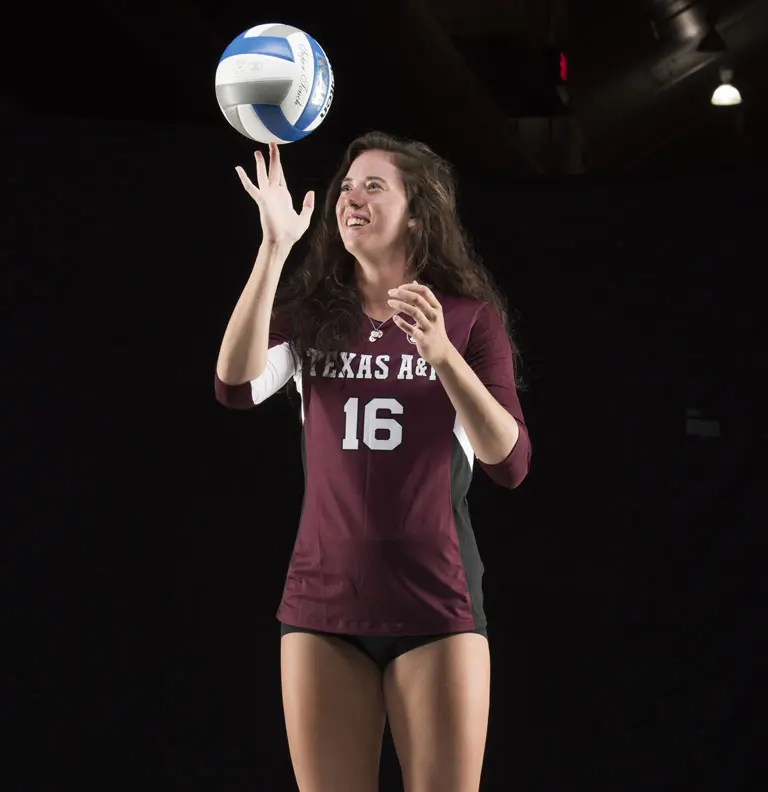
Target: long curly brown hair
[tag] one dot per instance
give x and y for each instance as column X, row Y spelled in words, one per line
column 321, row 299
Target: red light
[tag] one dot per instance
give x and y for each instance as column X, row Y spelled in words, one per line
column 563, row 67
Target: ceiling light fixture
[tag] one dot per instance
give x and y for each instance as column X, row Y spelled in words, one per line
column 726, row 95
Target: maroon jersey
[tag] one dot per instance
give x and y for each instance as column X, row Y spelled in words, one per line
column 385, row 545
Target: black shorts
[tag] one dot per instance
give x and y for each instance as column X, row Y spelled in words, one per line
column 382, row 649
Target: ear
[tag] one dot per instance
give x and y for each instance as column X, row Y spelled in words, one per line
column 413, row 222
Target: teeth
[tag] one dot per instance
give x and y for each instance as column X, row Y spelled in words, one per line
column 356, row 221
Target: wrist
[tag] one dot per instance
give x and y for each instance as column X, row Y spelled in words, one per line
column 276, row 246
column 274, row 253
column 449, row 360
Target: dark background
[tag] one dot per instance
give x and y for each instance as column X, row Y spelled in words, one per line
column 149, row 529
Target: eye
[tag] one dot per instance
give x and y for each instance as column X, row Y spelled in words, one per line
column 370, row 186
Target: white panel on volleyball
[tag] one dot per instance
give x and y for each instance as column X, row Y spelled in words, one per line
column 252, row 124
column 298, row 96
column 254, row 68
column 248, row 67
column 258, row 30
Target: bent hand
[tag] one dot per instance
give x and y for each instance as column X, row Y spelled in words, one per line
column 427, row 325
column 280, row 223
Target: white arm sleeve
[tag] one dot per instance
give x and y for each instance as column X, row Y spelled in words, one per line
column 280, row 367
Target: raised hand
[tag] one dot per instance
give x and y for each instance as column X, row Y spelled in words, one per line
column 280, row 223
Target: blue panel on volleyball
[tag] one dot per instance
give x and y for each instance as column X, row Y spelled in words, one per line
column 321, row 84
column 273, row 119
column 259, row 45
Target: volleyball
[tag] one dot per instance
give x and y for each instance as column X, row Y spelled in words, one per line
column 274, row 84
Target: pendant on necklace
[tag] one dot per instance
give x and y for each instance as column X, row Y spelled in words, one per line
column 375, row 334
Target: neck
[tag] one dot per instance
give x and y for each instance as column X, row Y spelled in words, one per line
column 374, row 280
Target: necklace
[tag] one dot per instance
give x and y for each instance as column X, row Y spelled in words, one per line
column 377, row 332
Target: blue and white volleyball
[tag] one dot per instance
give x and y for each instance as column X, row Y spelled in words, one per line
column 274, row 84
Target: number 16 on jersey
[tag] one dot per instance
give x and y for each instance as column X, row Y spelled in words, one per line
column 389, row 430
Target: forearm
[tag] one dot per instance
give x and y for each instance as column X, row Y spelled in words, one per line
column 243, row 352
column 491, row 430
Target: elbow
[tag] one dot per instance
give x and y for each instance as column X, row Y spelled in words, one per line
column 235, row 397
column 516, row 478
column 512, row 471
column 510, row 477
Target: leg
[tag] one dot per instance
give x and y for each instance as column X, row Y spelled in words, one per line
column 438, row 698
column 334, row 713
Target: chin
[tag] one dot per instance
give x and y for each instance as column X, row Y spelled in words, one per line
column 350, row 243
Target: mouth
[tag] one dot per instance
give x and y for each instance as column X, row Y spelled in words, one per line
column 356, row 221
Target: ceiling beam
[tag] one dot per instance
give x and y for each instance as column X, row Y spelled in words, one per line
column 468, row 104
column 661, row 90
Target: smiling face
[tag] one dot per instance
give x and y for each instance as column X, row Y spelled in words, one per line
column 372, row 208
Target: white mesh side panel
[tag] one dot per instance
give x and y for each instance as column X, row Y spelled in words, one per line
column 297, row 378
column 279, row 369
column 461, row 436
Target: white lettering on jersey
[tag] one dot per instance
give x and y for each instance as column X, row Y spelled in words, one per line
column 364, row 369
column 406, row 370
column 390, row 432
column 354, row 366
column 382, row 369
column 314, row 356
column 330, row 368
column 346, row 369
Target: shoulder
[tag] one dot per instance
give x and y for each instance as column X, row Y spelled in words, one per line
column 470, row 322
column 476, row 329
column 467, row 314
column 464, row 309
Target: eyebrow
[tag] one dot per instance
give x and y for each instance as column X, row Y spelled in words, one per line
column 367, row 178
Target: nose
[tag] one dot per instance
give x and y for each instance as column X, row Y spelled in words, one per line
column 353, row 198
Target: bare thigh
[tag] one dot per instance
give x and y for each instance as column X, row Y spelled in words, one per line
column 438, row 700
column 333, row 702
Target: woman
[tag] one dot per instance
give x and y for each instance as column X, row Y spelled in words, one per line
column 397, row 343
